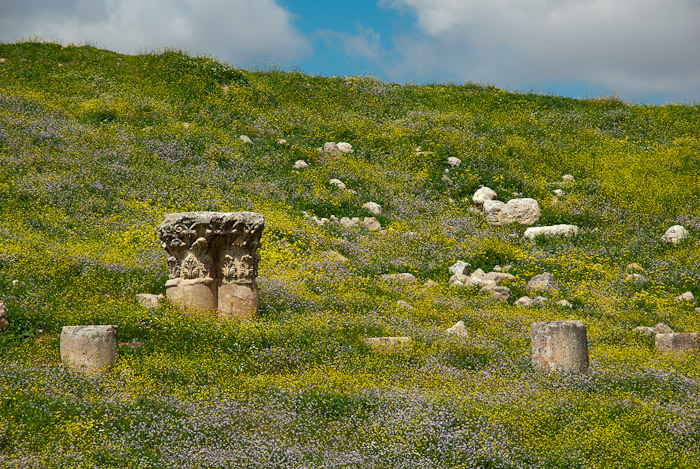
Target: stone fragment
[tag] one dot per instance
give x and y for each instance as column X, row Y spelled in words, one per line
column 458, row 329
column 337, row 183
column 567, row 178
column 564, row 304
column 281, row 141
column 300, row 164
column 560, row 346
column 686, row 297
column 675, row 235
column 453, row 162
column 502, row 294
column 344, row 147
column 212, row 262
column 372, row 224
column 348, row 222
column 497, row 213
column 634, row 267
column 373, row 207
column 4, row 321
column 524, row 211
column 551, row 231
column 402, row 278
column 148, row 300
column 636, row 278
column 430, row 283
column 91, row 349
column 482, row 195
column 245, row 139
column 675, row 342
column 558, row 192
column 662, row 328
column 524, row 302
column 404, row 305
column 331, row 148
column 387, row 343
column 645, row 331
column 460, row 267
column 543, row 282
column 498, row 277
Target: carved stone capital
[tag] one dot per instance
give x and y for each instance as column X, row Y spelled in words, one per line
column 217, row 247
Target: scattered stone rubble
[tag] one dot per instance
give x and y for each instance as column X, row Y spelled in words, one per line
column 524, row 211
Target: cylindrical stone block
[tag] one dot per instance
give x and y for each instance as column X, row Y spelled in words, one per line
column 677, row 342
column 196, row 295
column 91, row 349
column 238, row 301
column 559, row 345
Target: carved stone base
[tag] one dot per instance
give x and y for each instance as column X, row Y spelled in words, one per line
column 196, row 295
column 238, row 301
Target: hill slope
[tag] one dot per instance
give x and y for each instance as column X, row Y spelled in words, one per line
column 95, row 149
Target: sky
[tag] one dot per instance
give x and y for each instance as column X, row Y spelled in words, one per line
column 643, row 51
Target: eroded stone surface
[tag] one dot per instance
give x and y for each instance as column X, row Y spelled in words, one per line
column 300, row 164
column 675, row 235
column 497, row 213
column 91, row 349
column 559, row 345
column 460, row 267
column 524, row 211
column 677, row 342
column 686, row 297
column 458, row 329
column 387, row 342
column 212, row 261
column 149, row 300
column 482, row 195
column 4, row 321
column 542, row 282
column 403, row 278
column 454, row 162
column 373, row 207
column 499, row 293
column 551, row 231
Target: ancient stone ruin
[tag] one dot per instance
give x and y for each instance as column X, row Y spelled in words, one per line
column 91, row 349
column 560, row 345
column 212, row 262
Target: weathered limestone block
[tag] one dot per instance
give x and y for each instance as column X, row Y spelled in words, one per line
column 387, row 342
column 212, row 262
column 524, row 211
column 559, row 345
column 482, row 195
column 677, row 342
column 402, row 279
column 149, row 300
column 502, row 294
column 551, row 231
column 4, row 322
column 497, row 213
column 542, row 282
column 458, row 329
column 675, row 235
column 91, row 349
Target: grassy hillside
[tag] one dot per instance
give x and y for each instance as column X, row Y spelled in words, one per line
column 95, row 149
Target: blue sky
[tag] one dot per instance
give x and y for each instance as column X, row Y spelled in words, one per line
column 646, row 51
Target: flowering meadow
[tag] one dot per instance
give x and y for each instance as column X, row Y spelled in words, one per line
column 96, row 148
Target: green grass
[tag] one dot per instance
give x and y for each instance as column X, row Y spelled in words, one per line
column 95, row 149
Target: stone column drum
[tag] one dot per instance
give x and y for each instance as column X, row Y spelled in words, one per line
column 677, row 342
column 559, row 345
column 212, row 262
column 89, row 348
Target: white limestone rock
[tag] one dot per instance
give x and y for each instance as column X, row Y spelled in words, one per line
column 402, row 278
column 482, row 195
column 458, row 329
column 542, row 282
column 344, row 147
column 373, row 207
column 675, row 235
column 404, row 305
column 281, row 141
column 662, row 328
column 686, row 297
column 564, row 304
column 300, row 164
column 567, row 178
column 245, row 139
column 524, row 211
column 551, row 231
column 337, row 183
column 372, row 224
column 497, row 213
column 501, row 294
column 454, row 162
column 460, row 267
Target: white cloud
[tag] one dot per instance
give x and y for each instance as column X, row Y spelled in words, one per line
column 239, row 31
column 635, row 46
